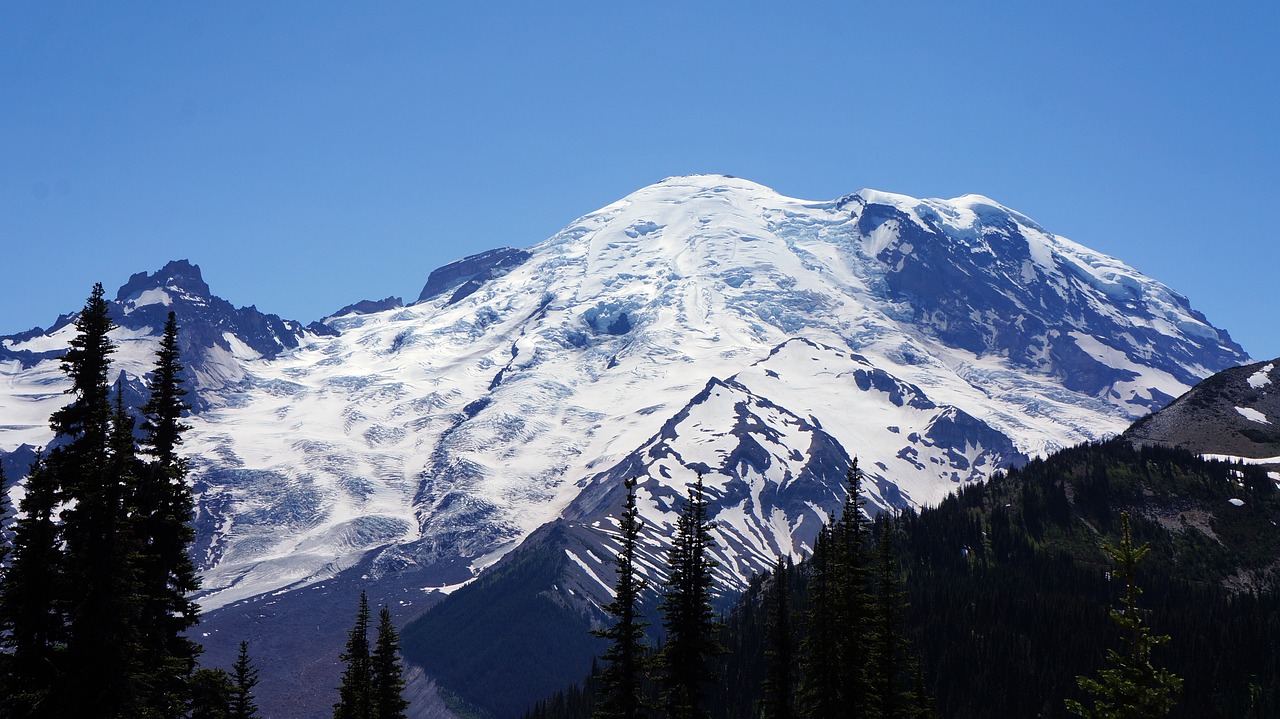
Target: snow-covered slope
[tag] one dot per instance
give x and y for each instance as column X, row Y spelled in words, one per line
column 702, row 323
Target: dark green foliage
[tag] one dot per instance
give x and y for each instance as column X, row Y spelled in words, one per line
column 692, row 642
column 778, row 689
column 621, row 681
column 821, row 658
column 162, row 511
column 1005, row 589
column 891, row 669
column 1006, row 617
column 355, row 695
column 244, row 677
column 91, row 464
column 373, row 682
column 1132, row 688
column 91, row 632
column 388, row 671
column 211, row 694
column 4, row 521
column 30, row 599
column 837, row 646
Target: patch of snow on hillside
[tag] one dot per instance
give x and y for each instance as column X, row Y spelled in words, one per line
column 1262, row 377
column 1253, row 415
column 153, row 296
column 590, row 572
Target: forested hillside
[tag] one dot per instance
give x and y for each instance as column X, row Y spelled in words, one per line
column 1008, row 591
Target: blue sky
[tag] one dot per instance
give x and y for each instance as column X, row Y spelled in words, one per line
column 308, row 155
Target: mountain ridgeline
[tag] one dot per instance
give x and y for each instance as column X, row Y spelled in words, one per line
column 704, row 324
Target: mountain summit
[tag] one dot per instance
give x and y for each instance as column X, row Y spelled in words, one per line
column 704, row 324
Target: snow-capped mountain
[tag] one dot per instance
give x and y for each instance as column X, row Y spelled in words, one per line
column 704, row 324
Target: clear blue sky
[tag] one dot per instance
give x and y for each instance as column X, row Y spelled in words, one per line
column 308, row 155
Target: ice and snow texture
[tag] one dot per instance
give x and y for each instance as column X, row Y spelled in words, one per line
column 448, row 430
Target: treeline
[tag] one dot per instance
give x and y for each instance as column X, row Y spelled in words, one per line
column 95, row 576
column 1005, row 599
column 824, row 640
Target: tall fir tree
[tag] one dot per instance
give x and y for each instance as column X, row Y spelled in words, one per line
column 692, row 632
column 821, row 678
column 622, row 676
column 355, row 694
column 1133, row 688
column 4, row 522
column 100, row 660
column 778, row 701
column 891, row 667
column 210, row 694
column 835, row 649
column 852, row 537
column 30, row 601
column 388, row 671
column 162, row 509
column 244, row 677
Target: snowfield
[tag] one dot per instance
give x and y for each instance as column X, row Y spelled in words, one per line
column 704, row 323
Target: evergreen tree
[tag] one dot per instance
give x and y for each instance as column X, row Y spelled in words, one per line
column 30, row 600
column 355, row 694
column 4, row 521
column 101, row 658
column 1133, row 688
column 890, row 666
column 688, row 618
column 821, row 683
column 621, row 679
column 388, row 671
column 855, row 609
column 210, row 694
column 780, row 652
column 244, row 677
column 837, row 646
column 162, row 509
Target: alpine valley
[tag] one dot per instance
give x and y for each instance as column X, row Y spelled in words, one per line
column 474, row 442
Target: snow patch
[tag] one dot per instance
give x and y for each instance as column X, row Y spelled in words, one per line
column 1253, row 415
column 1262, row 377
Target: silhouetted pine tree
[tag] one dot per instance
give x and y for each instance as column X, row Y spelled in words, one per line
column 90, row 467
column 778, row 701
column 891, row 666
column 688, row 618
column 355, row 695
column 30, row 600
column 621, row 679
column 211, row 692
column 855, row 609
column 388, row 671
column 821, row 679
column 162, row 510
column 244, row 677
column 4, row 520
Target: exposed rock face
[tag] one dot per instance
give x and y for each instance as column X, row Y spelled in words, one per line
column 1235, row 413
column 466, row 275
column 368, row 307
